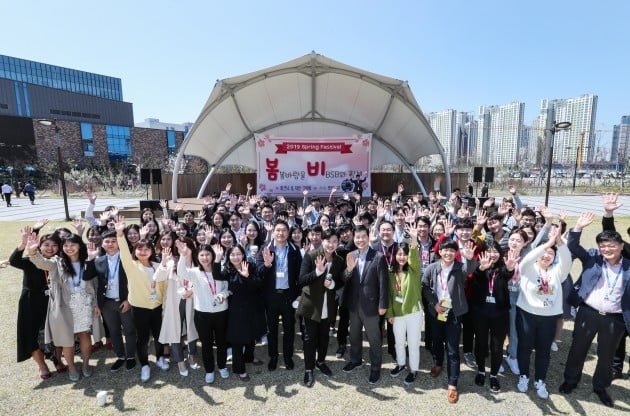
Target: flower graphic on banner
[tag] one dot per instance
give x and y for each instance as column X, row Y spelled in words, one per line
column 261, row 143
column 262, row 187
column 365, row 142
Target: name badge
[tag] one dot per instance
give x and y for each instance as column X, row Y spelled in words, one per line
column 610, row 297
column 399, row 299
column 47, row 292
column 548, row 303
column 153, row 297
column 279, row 275
column 490, row 299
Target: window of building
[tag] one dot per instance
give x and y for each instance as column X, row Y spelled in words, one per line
column 88, row 148
column 118, row 142
column 86, row 131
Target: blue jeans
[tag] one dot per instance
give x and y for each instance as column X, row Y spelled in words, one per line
column 512, row 348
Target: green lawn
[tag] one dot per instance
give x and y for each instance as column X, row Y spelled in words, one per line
column 280, row 392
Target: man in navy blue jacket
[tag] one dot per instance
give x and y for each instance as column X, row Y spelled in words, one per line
column 605, row 308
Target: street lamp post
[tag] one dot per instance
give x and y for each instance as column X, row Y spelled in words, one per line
column 53, row 123
column 562, row 125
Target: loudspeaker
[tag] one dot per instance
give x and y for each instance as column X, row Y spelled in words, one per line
column 477, row 174
column 145, row 176
column 154, row 204
column 157, row 176
column 489, row 177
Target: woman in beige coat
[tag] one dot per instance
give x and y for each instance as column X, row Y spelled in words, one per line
column 72, row 301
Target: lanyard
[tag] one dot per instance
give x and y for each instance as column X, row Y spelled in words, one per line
column 391, row 256
column 544, row 281
column 281, row 261
column 399, row 281
column 76, row 280
column 213, row 285
column 517, row 270
column 151, row 277
column 442, row 282
column 114, row 274
column 491, row 282
column 614, row 283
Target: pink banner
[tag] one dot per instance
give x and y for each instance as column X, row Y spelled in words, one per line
column 287, row 165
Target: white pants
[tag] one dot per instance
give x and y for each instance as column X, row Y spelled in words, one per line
column 408, row 328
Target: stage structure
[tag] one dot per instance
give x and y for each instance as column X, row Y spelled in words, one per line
column 310, row 97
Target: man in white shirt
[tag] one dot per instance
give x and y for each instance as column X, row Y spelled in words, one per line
column 7, row 190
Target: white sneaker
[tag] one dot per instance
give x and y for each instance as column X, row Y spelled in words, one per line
column 541, row 389
column 523, row 384
column 210, row 377
column 162, row 364
column 554, row 346
column 229, row 354
column 145, row 373
column 264, row 340
column 224, row 372
column 183, row 371
column 513, row 364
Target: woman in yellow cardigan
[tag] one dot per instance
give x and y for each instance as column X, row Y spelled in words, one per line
column 145, row 297
column 405, row 311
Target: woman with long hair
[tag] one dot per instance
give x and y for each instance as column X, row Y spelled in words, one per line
column 72, row 300
column 145, row 297
column 490, row 305
column 202, row 267
column 405, row 308
column 517, row 242
column 177, row 318
column 132, row 233
column 33, row 302
column 243, row 326
column 252, row 240
column 298, row 238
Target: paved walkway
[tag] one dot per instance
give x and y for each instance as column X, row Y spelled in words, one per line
column 52, row 208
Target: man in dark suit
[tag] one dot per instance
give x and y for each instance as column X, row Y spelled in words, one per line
column 605, row 309
column 321, row 273
column 112, row 301
column 278, row 264
column 367, row 297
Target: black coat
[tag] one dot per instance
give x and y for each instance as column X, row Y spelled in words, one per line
column 370, row 290
column 99, row 268
column 268, row 274
column 32, row 306
column 500, row 292
column 246, row 318
column 313, row 290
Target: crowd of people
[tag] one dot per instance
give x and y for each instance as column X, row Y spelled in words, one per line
column 397, row 269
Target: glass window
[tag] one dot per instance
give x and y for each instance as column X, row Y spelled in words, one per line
column 88, row 148
column 118, row 142
column 86, row 131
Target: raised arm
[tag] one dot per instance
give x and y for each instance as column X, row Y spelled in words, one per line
column 573, row 242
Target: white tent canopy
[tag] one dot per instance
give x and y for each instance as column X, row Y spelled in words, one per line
column 311, row 96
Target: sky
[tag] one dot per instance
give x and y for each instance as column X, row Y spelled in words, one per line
column 454, row 54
